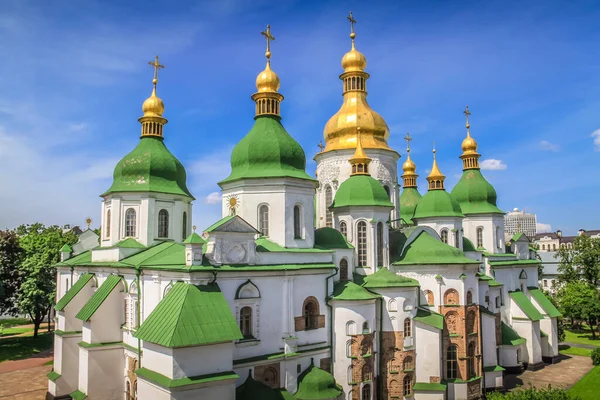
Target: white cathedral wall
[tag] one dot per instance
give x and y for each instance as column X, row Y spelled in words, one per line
column 493, row 231
column 158, row 359
column 452, row 224
column 219, row 358
column 147, row 390
column 333, row 168
column 280, row 195
column 219, row 390
column 428, row 347
column 101, row 372
column 489, row 344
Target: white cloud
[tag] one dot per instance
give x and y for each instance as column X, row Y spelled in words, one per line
column 542, row 228
column 596, row 136
column 213, row 198
column 492, row 164
column 545, row 145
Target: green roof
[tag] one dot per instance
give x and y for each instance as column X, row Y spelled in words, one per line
column 429, row 387
column 194, row 238
column 72, row 292
column 129, row 243
column 98, row 297
column 430, row 318
column 330, row 238
column 220, row 222
column 361, row 190
column 169, row 383
column 493, row 368
column 544, row 302
column 510, row 336
column 409, row 198
column 66, row 249
column 468, row 245
column 526, row 306
column 190, row 316
column 475, row 194
column 438, row 203
column 494, row 283
column 78, row 395
column 265, row 245
column 351, row 291
column 315, row 383
column 84, row 257
column 252, row 389
column 150, row 167
column 384, row 278
column 267, row 151
column 518, row 236
column 513, row 262
column 427, row 250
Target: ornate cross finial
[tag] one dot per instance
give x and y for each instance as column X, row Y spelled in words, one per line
column 467, row 113
column 352, row 22
column 194, row 228
column 320, row 145
column 408, row 139
column 156, row 65
column 88, row 221
column 434, row 150
column 267, row 34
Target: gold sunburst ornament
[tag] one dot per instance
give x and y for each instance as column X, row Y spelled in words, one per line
column 88, row 221
column 234, row 203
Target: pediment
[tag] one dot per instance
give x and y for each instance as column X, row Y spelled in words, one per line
column 232, row 224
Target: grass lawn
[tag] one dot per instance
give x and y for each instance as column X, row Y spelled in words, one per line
column 15, row 331
column 588, row 387
column 573, row 351
column 14, row 322
column 583, row 336
column 18, row 348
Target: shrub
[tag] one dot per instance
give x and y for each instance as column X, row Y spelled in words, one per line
column 596, row 356
column 533, row 393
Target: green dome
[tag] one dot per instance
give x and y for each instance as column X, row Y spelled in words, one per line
column 409, row 198
column 475, row 194
column 150, row 167
column 315, row 383
column 267, row 151
column 438, row 203
column 361, row 190
column 330, row 238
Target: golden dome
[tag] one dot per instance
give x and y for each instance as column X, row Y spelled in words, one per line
column 153, row 106
column 469, row 144
column 267, row 80
column 409, row 166
column 469, row 156
column 354, row 60
column 435, row 177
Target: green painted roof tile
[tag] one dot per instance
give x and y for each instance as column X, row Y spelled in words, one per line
column 493, row 368
column 194, row 238
column 78, row 395
column 430, row 318
column 429, row 387
column 513, row 262
column 84, row 257
column 351, row 291
column 98, row 298
column 72, row 292
column 384, row 278
column 510, row 336
column 526, row 306
column 190, row 316
column 330, row 238
column 475, row 194
column 252, row 389
column 219, row 223
column 427, row 250
column 361, row 190
column 129, row 243
column 544, row 302
column 168, row 383
column 265, row 245
column 468, row 245
column 66, row 249
column 409, row 199
column 315, row 383
column 437, row 203
column 518, row 236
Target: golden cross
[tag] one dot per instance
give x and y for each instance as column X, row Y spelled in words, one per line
column 352, row 22
column 467, row 113
column 408, row 139
column 156, row 65
column 267, row 34
column 320, row 145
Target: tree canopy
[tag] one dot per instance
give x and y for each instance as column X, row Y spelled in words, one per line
column 582, row 261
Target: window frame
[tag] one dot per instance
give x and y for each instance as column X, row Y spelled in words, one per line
column 130, row 226
column 451, row 369
column 263, row 223
column 298, row 234
column 362, row 243
column 163, row 224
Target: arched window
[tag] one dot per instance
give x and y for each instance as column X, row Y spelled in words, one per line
column 367, row 373
column 107, row 229
column 554, row 246
column 543, row 247
column 429, row 297
column 132, row 309
column 297, row 226
column 343, row 270
column 407, row 385
column 344, row 229
column 451, row 362
column 350, row 380
column 263, row 217
column 471, row 321
column 184, row 226
column 349, row 348
column 380, row 244
column 350, row 328
column 392, row 305
column 311, row 314
column 444, row 235
column 471, row 360
column 408, row 364
column 392, row 365
column 451, row 319
column 498, row 237
column 328, row 201
column 365, row 328
column 246, row 322
column 163, row 223
column 451, row 297
column 366, row 392
column 362, row 244
column 479, row 237
column 130, row 222
column 350, row 394
column 407, row 330
column 469, row 297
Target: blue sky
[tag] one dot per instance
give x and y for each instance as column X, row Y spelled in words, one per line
column 72, row 81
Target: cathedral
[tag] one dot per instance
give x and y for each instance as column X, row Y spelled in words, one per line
column 346, row 285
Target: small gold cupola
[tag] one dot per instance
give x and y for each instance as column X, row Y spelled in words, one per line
column 355, row 112
column 409, row 168
column 470, row 157
column 152, row 121
column 267, row 98
column 435, row 177
column 359, row 161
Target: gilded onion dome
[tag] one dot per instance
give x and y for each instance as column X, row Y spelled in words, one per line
column 355, row 112
column 469, row 156
column 410, row 196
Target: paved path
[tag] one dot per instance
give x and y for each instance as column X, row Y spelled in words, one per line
column 580, row 345
column 24, row 384
column 564, row 374
column 34, row 361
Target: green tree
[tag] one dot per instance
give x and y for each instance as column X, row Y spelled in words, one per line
column 580, row 301
column 10, row 276
column 581, row 261
column 532, row 393
column 41, row 247
column 559, row 321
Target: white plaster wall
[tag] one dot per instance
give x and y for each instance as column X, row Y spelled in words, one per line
column 67, row 320
column 105, row 373
column 273, row 258
column 429, row 352
column 223, row 391
column 281, row 195
column 488, row 336
column 530, row 331
column 549, row 326
column 84, row 370
column 147, row 390
column 508, row 356
column 66, row 363
column 158, row 359
column 185, row 360
column 105, row 324
column 423, row 395
column 494, row 380
column 453, row 225
column 333, row 169
column 492, row 242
